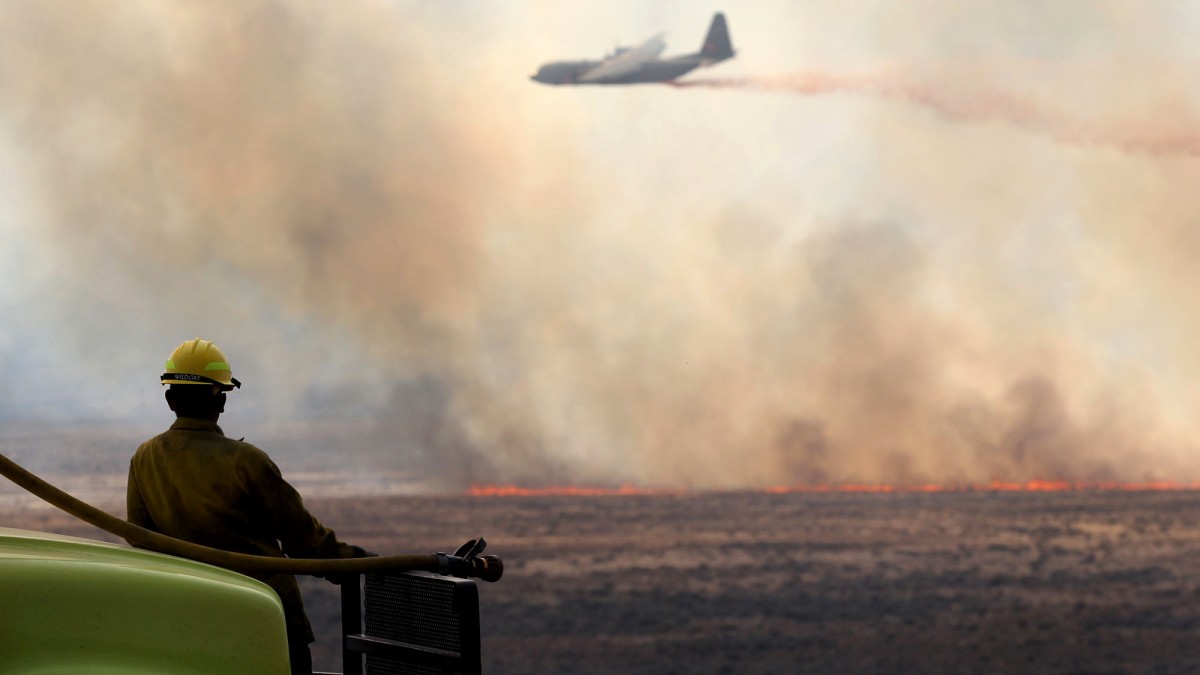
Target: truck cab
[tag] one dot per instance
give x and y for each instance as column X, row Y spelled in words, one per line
column 72, row 605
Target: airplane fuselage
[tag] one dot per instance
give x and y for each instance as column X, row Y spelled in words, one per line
column 663, row 70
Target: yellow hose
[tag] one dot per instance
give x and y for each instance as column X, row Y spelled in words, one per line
column 143, row 538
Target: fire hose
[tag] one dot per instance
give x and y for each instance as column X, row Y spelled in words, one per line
column 465, row 563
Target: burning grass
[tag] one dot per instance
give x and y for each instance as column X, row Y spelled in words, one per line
column 509, row 490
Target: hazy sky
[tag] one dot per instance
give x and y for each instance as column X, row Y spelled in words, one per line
column 890, row 241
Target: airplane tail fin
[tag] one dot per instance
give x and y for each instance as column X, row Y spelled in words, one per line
column 717, row 46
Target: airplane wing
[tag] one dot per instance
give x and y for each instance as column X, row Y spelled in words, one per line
column 626, row 61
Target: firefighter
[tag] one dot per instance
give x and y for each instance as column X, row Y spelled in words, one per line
column 194, row 483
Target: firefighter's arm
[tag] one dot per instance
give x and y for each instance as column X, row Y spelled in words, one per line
column 298, row 531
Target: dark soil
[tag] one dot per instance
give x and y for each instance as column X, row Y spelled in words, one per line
column 757, row 583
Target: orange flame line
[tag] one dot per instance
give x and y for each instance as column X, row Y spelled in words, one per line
column 567, row 491
column 509, row 490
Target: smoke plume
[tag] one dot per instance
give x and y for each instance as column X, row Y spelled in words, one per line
column 383, row 223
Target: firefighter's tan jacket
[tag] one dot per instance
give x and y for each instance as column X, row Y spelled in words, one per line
column 194, row 483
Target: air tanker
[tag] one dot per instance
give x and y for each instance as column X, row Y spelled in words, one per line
column 641, row 63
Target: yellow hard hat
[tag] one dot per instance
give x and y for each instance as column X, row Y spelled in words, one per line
column 199, row 362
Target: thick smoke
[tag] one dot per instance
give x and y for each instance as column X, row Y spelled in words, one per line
column 381, row 221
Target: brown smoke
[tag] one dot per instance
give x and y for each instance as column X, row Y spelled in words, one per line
column 391, row 232
column 274, row 138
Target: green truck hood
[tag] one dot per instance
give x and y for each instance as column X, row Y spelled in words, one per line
column 74, row 605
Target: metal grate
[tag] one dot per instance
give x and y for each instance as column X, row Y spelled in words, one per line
column 413, row 609
column 417, row 623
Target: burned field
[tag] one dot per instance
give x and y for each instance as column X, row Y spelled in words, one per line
column 1063, row 582
column 1067, row 582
